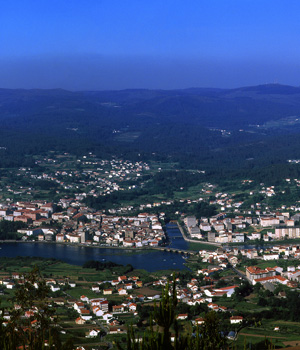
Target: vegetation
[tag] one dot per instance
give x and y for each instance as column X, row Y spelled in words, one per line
column 8, row 229
column 148, row 125
column 100, row 266
column 207, row 337
column 36, row 331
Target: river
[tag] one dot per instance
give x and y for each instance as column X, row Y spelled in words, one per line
column 175, row 237
column 141, row 259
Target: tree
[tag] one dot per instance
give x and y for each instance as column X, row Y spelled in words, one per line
column 207, row 337
column 210, row 335
column 243, row 290
column 37, row 328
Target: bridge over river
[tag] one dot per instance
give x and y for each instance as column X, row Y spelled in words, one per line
column 180, row 241
column 176, row 250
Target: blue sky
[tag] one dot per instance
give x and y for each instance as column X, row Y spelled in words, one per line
column 168, row 44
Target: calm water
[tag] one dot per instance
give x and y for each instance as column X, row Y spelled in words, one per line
column 148, row 260
column 175, row 236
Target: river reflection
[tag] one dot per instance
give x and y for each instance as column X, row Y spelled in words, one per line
column 72, row 254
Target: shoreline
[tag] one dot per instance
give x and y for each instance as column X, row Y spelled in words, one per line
column 79, row 245
column 236, row 244
column 148, row 259
column 139, row 249
column 196, row 241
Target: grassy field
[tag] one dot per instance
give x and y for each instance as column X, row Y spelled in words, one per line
column 241, row 306
column 193, row 192
column 264, row 264
column 202, row 246
column 288, row 333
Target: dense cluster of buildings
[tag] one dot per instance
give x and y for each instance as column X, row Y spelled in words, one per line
column 239, row 228
column 79, row 224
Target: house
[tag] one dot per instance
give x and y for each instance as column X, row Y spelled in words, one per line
column 139, row 284
column 271, row 279
column 107, row 317
column 153, row 243
column 268, row 221
column 199, row 321
column 95, row 302
column 54, row 288
column 80, row 320
column 85, row 314
column 60, row 237
column 107, row 291
column 122, row 291
column 214, row 307
column 95, row 289
column 78, row 306
column 254, row 272
column 84, row 298
column 118, row 309
column 236, row 319
column 212, row 293
column 92, row 333
column 29, row 313
column 104, row 305
column 10, row 285
column 74, row 238
column 97, row 311
column 141, row 297
column 226, row 290
column 116, row 330
column 16, row 275
column 182, row 316
column 271, row 256
column 132, row 307
column 128, row 286
column 59, row 301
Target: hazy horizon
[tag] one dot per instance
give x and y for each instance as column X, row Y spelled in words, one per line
column 115, row 45
column 103, row 73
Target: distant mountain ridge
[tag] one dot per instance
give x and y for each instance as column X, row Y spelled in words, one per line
column 227, row 108
column 203, row 126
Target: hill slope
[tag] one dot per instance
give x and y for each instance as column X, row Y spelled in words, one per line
column 198, row 127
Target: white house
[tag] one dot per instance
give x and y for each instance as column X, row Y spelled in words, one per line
column 236, row 319
column 92, row 333
column 97, row 311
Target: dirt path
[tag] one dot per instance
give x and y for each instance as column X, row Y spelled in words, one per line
column 260, row 336
column 295, row 344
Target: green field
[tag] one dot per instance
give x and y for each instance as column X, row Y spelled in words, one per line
column 287, row 335
column 202, row 246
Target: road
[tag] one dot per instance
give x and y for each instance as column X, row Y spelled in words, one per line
column 239, row 273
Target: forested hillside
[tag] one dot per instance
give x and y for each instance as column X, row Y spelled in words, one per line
column 223, row 132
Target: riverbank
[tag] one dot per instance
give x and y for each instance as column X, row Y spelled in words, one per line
column 202, row 245
column 79, row 245
column 147, row 259
column 262, row 244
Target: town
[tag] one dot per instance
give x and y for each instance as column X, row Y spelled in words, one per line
column 238, row 259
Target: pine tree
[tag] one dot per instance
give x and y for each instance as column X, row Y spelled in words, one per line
column 158, row 337
column 19, row 332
